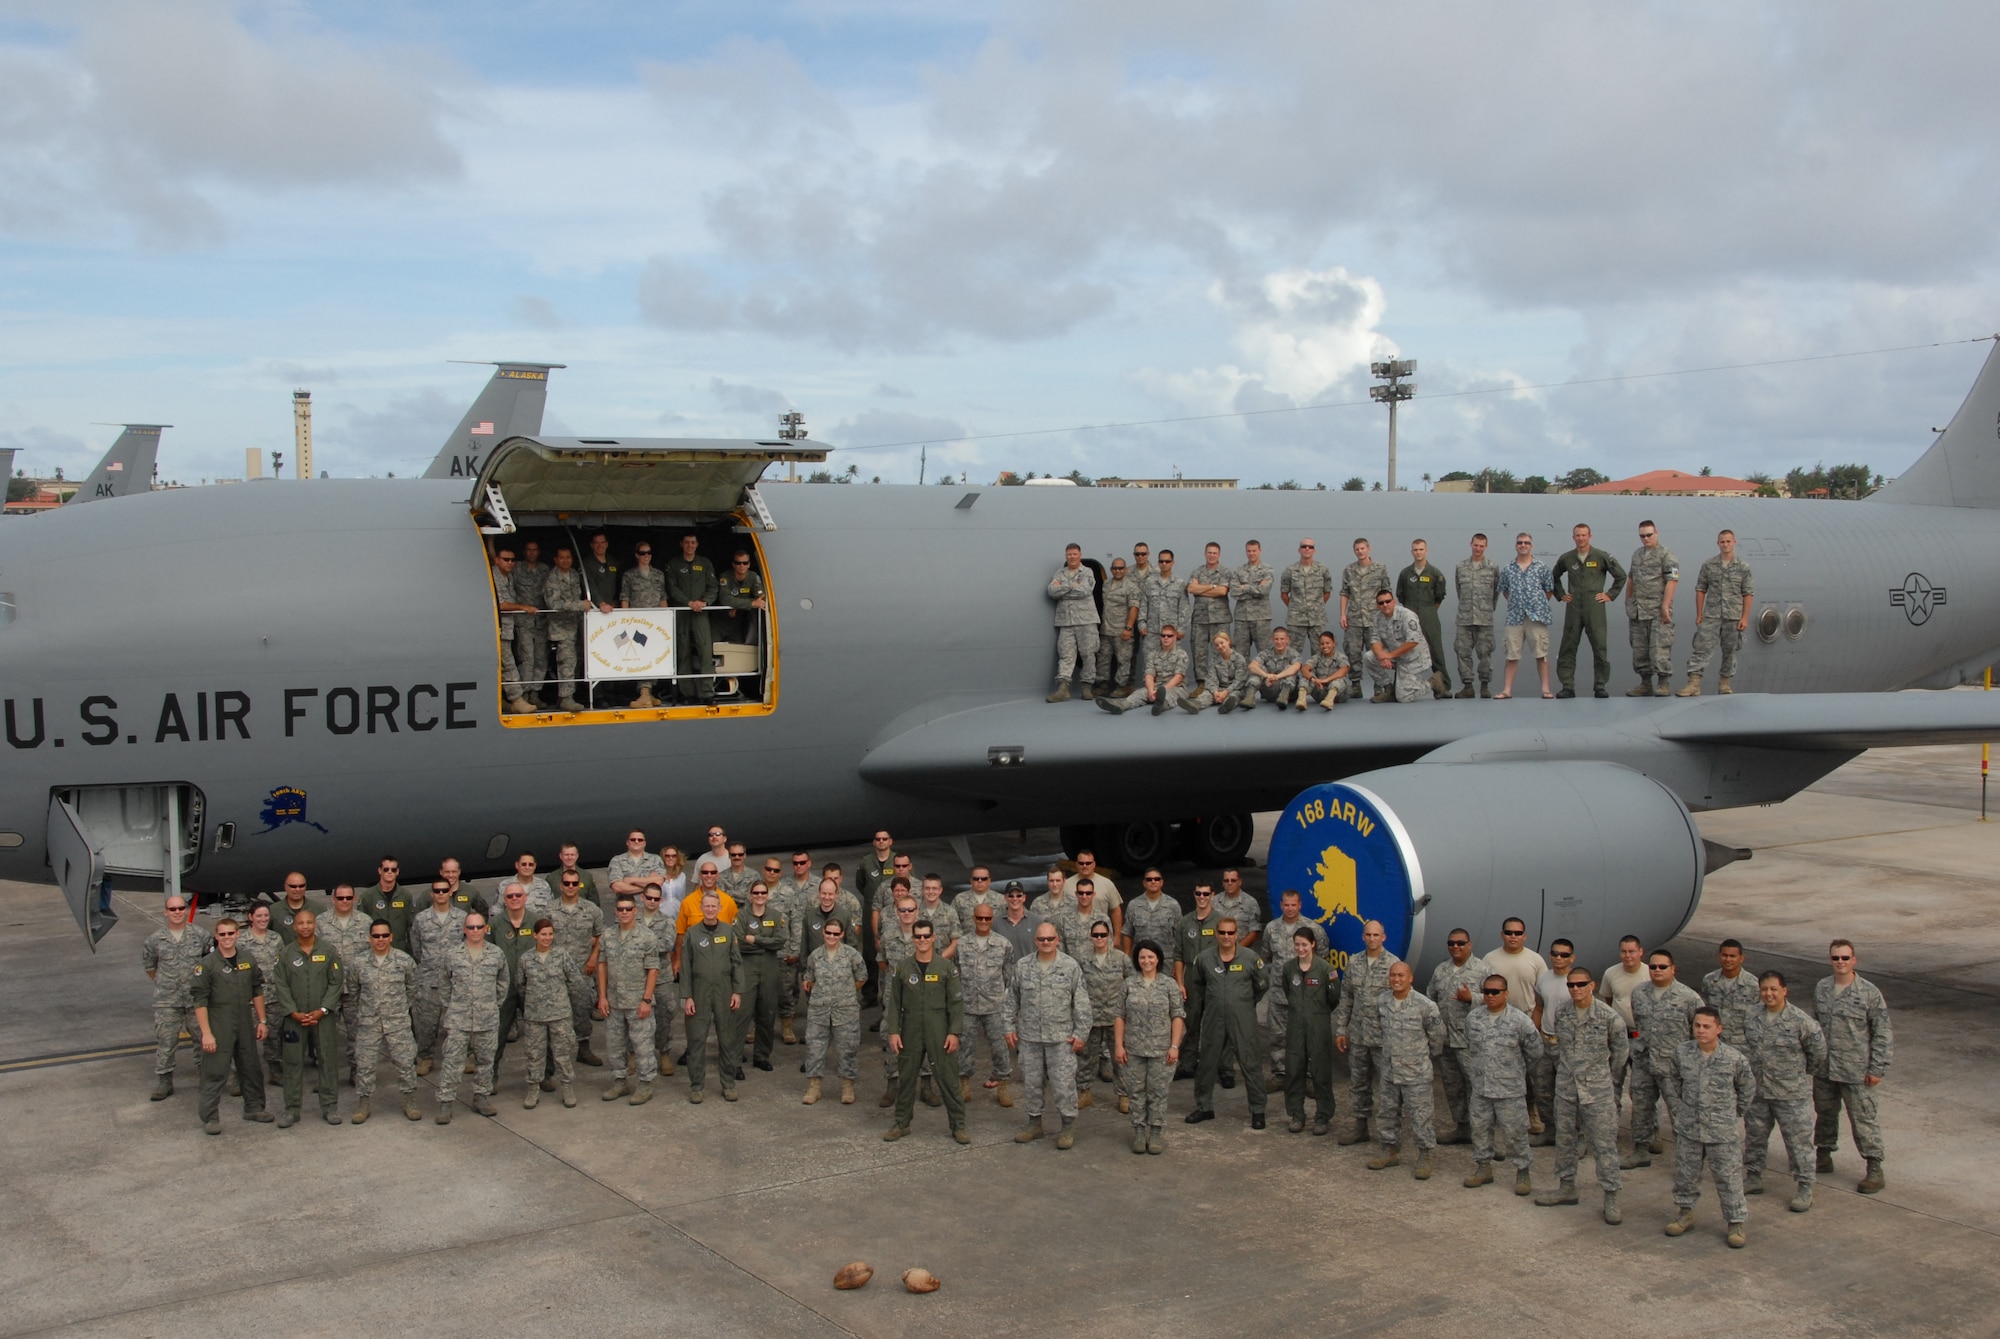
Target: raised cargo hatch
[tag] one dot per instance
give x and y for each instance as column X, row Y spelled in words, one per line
column 599, row 476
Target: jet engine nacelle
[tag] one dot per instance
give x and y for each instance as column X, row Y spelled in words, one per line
column 1587, row 852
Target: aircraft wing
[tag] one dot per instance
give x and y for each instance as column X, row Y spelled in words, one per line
column 1015, row 750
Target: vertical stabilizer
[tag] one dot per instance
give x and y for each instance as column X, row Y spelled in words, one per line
column 1962, row 468
column 126, row 468
column 510, row 406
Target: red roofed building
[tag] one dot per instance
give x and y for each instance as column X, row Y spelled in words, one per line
column 1674, row 483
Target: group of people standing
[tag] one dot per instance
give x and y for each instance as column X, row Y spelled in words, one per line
column 1149, row 637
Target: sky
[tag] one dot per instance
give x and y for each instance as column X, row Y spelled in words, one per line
column 1019, row 236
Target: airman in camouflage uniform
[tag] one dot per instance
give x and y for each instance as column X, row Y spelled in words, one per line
column 264, row 950
column 1320, row 684
column 1311, row 990
column 1148, row 1028
column 1163, row 602
column 1591, row 1046
column 564, row 596
column 1458, row 972
column 1859, row 1047
column 1710, row 1085
column 1166, row 678
column 1360, row 582
column 1357, row 1026
column 1250, row 587
column 1227, row 679
column 985, row 963
column 169, row 956
column 386, row 991
column 643, row 586
column 502, row 572
column 1649, row 611
column 832, row 980
column 1305, row 587
column 1153, row 915
column 1786, row 1049
column 548, row 979
column 1733, row 992
column 1104, row 974
column 1421, row 589
column 628, row 973
column 1048, row 1020
column 1208, row 612
column 1663, row 1016
column 1501, row 1046
column 1074, row 588
column 349, row 936
column 1118, row 629
column 1274, row 673
column 579, row 922
column 477, row 979
column 1477, row 583
column 1412, row 1036
column 434, row 932
column 1722, row 595
column 1408, row 677
column 531, row 631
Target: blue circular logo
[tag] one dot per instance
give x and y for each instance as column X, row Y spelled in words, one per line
column 1335, row 847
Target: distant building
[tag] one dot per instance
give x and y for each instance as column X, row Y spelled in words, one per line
column 1112, row 481
column 1675, row 483
column 47, row 496
column 1454, row 486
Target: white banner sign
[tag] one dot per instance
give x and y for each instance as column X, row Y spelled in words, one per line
column 628, row 644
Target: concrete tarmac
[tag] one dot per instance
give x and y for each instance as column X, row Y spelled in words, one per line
column 122, row 1218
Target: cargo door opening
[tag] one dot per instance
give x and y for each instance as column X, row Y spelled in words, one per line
column 96, row 833
column 611, row 543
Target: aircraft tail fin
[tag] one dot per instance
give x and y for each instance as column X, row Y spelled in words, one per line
column 1962, row 468
column 510, row 406
column 127, row 467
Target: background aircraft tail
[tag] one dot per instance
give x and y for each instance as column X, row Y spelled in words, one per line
column 510, row 406
column 127, row 467
column 1962, row 468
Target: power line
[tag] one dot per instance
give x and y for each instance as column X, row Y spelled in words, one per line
column 1431, row 395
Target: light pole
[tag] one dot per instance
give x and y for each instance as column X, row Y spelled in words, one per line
column 1394, row 391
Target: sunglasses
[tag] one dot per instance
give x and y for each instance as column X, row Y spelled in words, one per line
column 1458, row 943
column 1579, row 985
column 378, row 934
column 1490, row 991
column 1100, row 934
column 225, row 934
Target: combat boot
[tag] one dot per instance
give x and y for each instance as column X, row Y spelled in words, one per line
column 1383, row 695
column 1422, row 1171
column 1461, row 1135
column 1636, row 1158
column 640, row 1095
column 1440, row 686
column 235, row 1085
column 1465, row 694
column 1002, row 1095
column 645, row 698
column 1657, row 1144
column 568, row 1095
column 667, row 1063
column 1753, row 1185
column 847, row 1092
column 791, row 1037
column 1874, row 1181
column 1645, row 688
column 532, row 1098
column 1084, row 1099
column 1612, row 1216
column 888, row 1098
column 362, row 1111
column 1061, row 694
column 444, row 1113
column 1691, row 689
column 927, row 1092
column 1089, row 693
column 1357, row 1133
column 1564, row 1193
column 288, row 1120
column 481, row 1106
column 163, row 1088
column 1392, row 1156
column 812, row 1093
column 1482, row 1175
column 1546, row 1139
column 410, row 1111
column 894, row 1132
column 1802, row 1201
column 1736, row 1238
column 1524, row 1184
column 695, row 1096
column 520, row 706
column 213, row 1126
column 1681, row 1224
column 1160, row 705
column 1032, row 1132
column 1296, row 1125
column 425, row 1065
column 585, row 1056
column 471, row 1065
column 1722, row 686
column 1139, row 1139
column 617, row 1090
column 570, row 704
column 1825, row 1163
column 1066, row 1138
column 1156, row 1139
column 1322, row 1126
column 961, row 1135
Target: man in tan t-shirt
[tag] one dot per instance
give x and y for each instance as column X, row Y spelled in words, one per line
column 1621, row 978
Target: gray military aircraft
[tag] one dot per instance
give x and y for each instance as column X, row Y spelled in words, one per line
column 126, row 468
column 213, row 686
column 509, row 406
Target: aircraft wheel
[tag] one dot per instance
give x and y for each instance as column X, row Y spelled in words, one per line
column 1130, row 847
column 1075, row 839
column 1221, row 840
